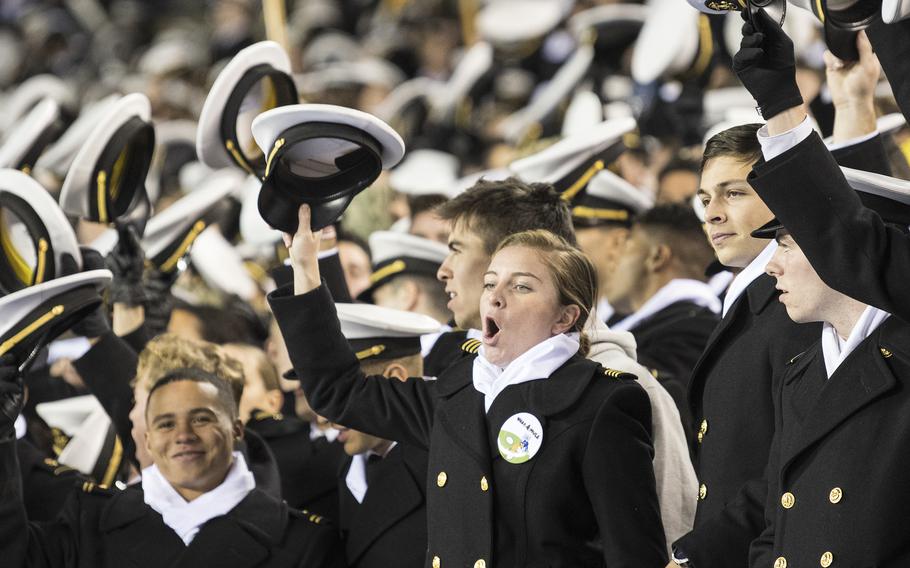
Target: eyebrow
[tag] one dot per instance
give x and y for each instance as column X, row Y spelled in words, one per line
column 171, row 415
column 725, row 184
column 493, row 272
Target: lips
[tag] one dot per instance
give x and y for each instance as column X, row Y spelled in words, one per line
column 188, row 455
column 452, row 296
column 718, row 238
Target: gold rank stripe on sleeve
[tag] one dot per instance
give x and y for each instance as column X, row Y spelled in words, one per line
column 30, row 329
column 369, row 352
column 613, row 373
column 471, row 345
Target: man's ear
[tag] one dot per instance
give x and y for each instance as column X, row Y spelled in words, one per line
column 410, row 292
column 567, row 318
column 237, row 430
column 395, row 371
column 659, row 257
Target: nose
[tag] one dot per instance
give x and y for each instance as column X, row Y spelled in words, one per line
column 444, row 273
column 185, row 432
column 714, row 212
column 774, row 267
column 495, row 297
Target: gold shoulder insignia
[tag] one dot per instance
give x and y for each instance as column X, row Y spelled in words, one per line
column 263, row 415
column 885, row 353
column 614, row 374
column 471, row 345
column 57, row 467
column 315, row 519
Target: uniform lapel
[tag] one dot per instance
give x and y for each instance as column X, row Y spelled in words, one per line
column 860, row 380
column 136, row 532
column 240, row 539
column 392, row 494
column 461, row 412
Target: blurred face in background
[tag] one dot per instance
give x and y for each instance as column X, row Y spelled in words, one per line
column 356, row 265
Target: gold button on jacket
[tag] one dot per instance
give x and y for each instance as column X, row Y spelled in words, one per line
column 702, row 491
column 787, row 500
column 826, row 559
column 436, row 562
column 781, row 562
column 836, row 495
column 484, row 485
column 480, row 564
column 441, row 478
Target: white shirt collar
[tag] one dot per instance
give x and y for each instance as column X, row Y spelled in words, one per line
column 186, row 518
column 356, row 478
column 20, row 426
column 316, row 432
column 835, row 349
column 536, row 363
column 676, row 290
column 748, row 275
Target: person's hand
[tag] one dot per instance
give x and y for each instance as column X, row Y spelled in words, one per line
column 127, row 262
column 95, row 323
column 303, row 248
column 853, row 82
column 766, row 65
column 12, row 395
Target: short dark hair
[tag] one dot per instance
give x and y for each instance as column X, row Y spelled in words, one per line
column 420, row 203
column 677, row 226
column 678, row 165
column 497, row 209
column 739, row 142
column 225, row 394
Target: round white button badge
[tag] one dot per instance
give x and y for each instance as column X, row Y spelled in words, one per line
column 520, row 438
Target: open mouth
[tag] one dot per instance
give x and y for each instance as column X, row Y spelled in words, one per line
column 490, row 330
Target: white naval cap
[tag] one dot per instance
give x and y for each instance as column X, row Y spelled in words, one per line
column 508, row 22
column 253, row 228
column 32, row 91
column 345, row 74
column 571, row 163
column 475, row 63
column 33, row 317
column 106, row 180
column 378, row 333
column 425, row 172
column 584, row 110
column 221, row 266
column 59, row 156
column 38, row 243
column 396, row 254
column 606, row 17
column 68, row 414
column 895, row 10
column 175, row 146
column 609, row 198
column 323, row 155
column 27, row 140
column 675, row 40
column 170, row 233
column 256, row 80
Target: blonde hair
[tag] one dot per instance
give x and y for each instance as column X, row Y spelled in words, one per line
column 573, row 274
column 168, row 352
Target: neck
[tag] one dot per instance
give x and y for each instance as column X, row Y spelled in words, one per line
column 651, row 286
column 190, row 494
column 844, row 315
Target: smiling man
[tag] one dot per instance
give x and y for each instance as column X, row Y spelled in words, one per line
column 198, row 504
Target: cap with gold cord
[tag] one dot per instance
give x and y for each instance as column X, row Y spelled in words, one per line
column 28, row 139
column 377, row 333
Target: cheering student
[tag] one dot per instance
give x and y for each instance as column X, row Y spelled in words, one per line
column 535, row 452
column 198, row 505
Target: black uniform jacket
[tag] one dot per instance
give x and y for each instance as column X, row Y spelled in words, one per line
column 108, row 369
column 308, row 468
column 840, row 468
column 669, row 343
column 100, row 527
column 592, row 476
column 849, row 246
column 46, row 484
column 731, row 394
column 445, row 351
column 389, row 528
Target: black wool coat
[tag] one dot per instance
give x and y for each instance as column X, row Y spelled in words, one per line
column 849, row 246
column 46, row 484
column 389, row 528
column 445, row 351
column 101, row 527
column 840, row 468
column 731, row 396
column 669, row 343
column 587, row 498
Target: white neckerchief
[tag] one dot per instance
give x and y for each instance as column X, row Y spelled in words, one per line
column 538, row 362
column 748, row 275
column 356, row 479
column 720, row 282
column 836, row 350
column 428, row 341
column 184, row 518
column 676, row 290
column 329, row 433
column 20, row 426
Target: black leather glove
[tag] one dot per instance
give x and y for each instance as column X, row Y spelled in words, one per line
column 127, row 262
column 160, row 302
column 95, row 324
column 11, row 396
column 766, row 65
